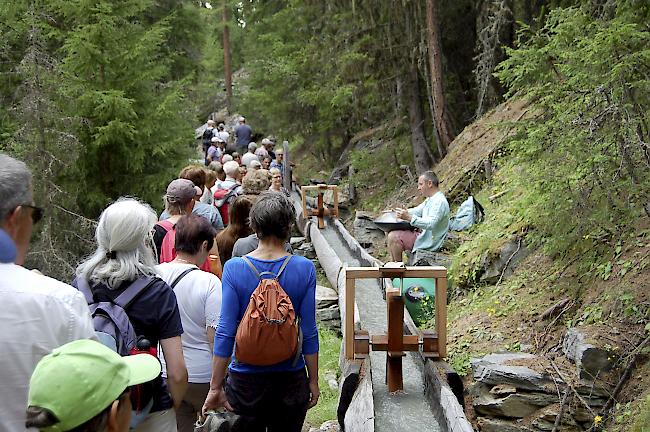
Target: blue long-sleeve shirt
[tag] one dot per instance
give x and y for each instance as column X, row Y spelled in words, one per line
column 238, row 283
column 432, row 217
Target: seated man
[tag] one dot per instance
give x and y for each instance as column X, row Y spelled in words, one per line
column 431, row 218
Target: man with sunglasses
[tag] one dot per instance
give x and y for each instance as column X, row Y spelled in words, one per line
column 37, row 313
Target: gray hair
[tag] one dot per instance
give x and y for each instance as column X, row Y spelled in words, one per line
column 272, row 215
column 431, row 176
column 231, row 168
column 124, row 229
column 15, row 185
column 252, row 146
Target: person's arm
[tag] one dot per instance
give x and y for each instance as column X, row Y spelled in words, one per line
column 176, row 370
column 429, row 222
column 215, row 219
column 210, row 336
column 311, row 360
column 216, row 397
column 310, row 335
column 417, row 211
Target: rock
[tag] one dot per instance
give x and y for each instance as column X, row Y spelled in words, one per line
column 330, row 426
column 498, row 425
column 510, row 253
column 296, row 242
column 591, row 360
column 307, row 250
column 326, row 297
column 547, row 416
column 365, row 230
column 328, row 314
column 502, row 389
column 344, row 199
column 428, row 258
column 517, row 405
column 330, row 378
column 491, row 370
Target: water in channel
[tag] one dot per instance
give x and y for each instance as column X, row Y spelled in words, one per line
column 407, row 411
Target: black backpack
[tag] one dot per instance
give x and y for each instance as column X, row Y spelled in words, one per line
column 207, row 136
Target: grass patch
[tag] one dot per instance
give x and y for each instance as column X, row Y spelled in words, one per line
column 328, row 360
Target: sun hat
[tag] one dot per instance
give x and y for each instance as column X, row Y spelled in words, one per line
column 180, row 190
column 80, row 379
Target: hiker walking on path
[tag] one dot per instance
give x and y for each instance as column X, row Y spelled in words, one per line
column 124, row 256
column 37, row 313
column 431, row 219
column 198, row 294
column 273, row 388
column 243, row 136
column 197, row 176
column 206, row 139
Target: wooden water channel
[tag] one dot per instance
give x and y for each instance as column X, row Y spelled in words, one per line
column 393, row 375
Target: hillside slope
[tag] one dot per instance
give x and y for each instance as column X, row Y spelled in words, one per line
column 508, row 293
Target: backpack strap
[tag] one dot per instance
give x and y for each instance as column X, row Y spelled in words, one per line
column 82, row 285
column 166, row 224
column 133, row 291
column 259, row 275
column 181, row 276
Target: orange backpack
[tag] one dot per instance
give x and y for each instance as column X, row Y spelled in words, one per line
column 269, row 331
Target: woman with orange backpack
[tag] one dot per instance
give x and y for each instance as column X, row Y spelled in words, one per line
column 267, row 336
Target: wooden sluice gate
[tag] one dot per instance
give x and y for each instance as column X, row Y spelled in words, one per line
column 320, row 211
column 368, row 401
column 432, row 345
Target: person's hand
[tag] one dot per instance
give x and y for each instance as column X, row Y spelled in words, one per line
column 215, row 399
column 315, row 394
column 403, row 214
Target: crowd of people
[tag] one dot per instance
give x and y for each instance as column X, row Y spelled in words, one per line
column 149, row 334
column 146, row 335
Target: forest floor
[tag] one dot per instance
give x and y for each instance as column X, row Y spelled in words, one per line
column 608, row 293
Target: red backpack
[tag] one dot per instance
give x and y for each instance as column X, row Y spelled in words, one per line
column 222, row 200
column 269, row 331
column 168, row 248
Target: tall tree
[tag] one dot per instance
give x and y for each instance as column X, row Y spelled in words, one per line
column 227, row 68
column 441, row 116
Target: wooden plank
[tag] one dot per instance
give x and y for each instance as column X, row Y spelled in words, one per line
column 349, row 319
column 380, row 342
column 375, row 272
column 336, row 202
column 441, row 315
column 303, row 192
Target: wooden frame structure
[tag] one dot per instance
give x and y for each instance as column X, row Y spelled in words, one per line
column 394, row 342
column 320, row 212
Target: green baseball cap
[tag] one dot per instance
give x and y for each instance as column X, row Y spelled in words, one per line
column 82, row 378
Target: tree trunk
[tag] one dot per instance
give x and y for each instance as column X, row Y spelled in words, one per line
column 421, row 152
column 441, row 119
column 227, row 68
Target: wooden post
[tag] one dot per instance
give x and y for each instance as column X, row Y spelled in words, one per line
column 394, row 352
column 287, row 166
column 441, row 315
column 348, row 330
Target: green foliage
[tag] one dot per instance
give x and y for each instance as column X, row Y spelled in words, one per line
column 328, row 359
column 585, row 155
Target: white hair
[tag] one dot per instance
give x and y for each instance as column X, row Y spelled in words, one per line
column 15, row 185
column 226, row 158
column 125, row 229
column 252, row 146
column 231, row 168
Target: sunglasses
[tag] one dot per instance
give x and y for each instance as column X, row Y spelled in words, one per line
column 37, row 212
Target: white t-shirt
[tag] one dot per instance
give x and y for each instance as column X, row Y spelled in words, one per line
column 198, row 296
column 248, row 158
column 37, row 314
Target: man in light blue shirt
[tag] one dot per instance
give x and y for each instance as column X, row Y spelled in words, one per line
column 431, row 219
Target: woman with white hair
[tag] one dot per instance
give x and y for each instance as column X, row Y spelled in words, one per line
column 123, row 256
